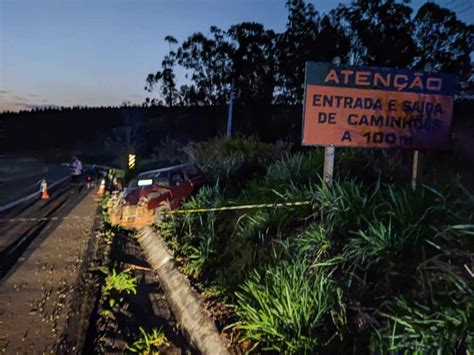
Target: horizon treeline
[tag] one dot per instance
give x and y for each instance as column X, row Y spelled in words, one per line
column 268, row 68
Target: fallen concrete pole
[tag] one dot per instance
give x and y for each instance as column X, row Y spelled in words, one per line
column 183, row 300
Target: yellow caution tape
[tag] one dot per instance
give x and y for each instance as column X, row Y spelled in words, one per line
column 241, row 207
column 195, row 210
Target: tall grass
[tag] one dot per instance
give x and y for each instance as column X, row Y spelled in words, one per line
column 369, row 266
column 287, row 309
column 422, row 328
column 232, row 162
column 198, row 233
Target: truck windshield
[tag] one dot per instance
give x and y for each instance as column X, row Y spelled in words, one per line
column 161, row 180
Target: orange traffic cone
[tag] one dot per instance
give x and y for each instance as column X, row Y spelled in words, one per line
column 44, row 190
column 101, row 190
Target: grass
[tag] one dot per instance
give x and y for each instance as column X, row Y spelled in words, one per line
column 284, row 306
column 371, row 266
column 153, row 342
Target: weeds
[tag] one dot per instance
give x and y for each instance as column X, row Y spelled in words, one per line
column 150, row 343
column 107, row 234
column 417, row 328
column 286, row 309
column 116, row 285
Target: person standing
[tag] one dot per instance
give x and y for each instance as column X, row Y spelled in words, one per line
column 76, row 172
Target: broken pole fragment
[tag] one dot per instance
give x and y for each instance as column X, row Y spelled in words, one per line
column 186, row 305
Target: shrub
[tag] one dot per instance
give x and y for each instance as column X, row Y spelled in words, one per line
column 286, row 308
column 417, row 328
column 234, row 161
column 297, row 169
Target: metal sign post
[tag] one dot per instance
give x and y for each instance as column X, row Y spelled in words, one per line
column 330, row 151
column 428, row 69
column 329, row 155
column 414, row 174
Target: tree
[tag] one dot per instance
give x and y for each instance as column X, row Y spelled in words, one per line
column 166, row 77
column 253, row 63
column 209, row 61
column 443, row 40
column 294, row 47
column 380, row 32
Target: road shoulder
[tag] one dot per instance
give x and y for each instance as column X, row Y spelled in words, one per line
column 39, row 300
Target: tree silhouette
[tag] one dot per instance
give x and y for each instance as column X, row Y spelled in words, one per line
column 166, row 77
column 380, row 32
column 443, row 41
column 268, row 67
column 253, row 62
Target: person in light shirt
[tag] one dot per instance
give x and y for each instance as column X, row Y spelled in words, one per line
column 76, row 172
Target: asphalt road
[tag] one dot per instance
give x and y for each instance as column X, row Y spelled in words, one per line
column 41, row 217
column 20, row 177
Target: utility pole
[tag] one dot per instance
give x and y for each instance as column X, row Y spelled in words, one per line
column 229, row 113
column 415, row 170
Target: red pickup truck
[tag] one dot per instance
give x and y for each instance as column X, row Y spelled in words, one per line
column 152, row 191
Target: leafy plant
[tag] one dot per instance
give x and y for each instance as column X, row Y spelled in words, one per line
column 417, row 328
column 117, row 284
column 379, row 242
column 150, row 343
column 287, row 309
column 120, row 282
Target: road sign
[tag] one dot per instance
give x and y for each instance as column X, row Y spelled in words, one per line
column 131, row 161
column 356, row 106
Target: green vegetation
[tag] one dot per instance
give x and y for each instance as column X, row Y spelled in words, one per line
column 126, row 321
column 116, row 285
column 370, row 266
column 150, row 343
column 108, row 235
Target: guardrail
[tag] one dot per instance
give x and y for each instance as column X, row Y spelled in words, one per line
column 102, row 167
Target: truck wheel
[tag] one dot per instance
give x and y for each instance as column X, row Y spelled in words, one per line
column 161, row 212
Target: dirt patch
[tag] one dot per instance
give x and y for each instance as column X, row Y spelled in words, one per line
column 112, row 329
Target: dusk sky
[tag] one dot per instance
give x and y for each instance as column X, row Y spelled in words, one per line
column 81, row 52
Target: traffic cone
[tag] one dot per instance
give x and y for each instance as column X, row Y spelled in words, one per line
column 101, row 190
column 44, row 190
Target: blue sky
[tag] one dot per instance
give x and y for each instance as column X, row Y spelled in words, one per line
column 99, row 52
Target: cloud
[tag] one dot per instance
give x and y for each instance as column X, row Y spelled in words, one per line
column 19, row 98
column 22, row 106
column 12, row 101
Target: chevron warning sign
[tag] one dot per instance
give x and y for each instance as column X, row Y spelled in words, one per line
column 131, row 161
